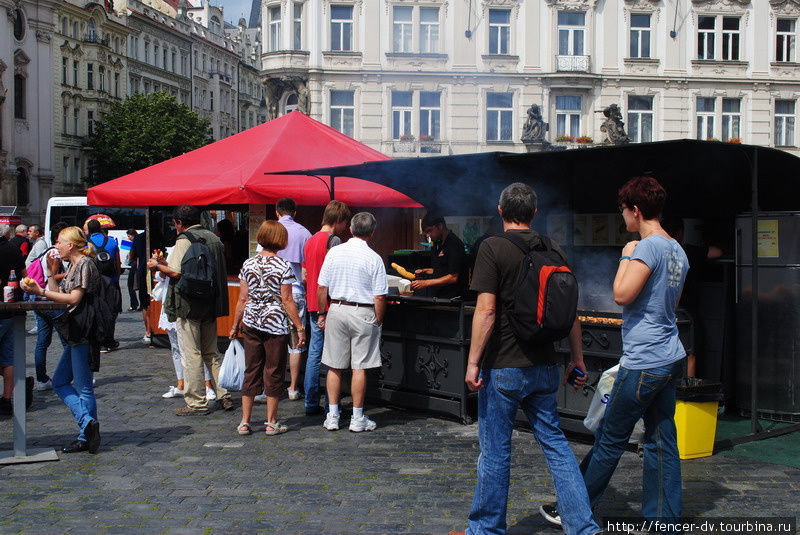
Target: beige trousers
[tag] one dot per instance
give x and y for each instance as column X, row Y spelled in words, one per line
column 198, row 343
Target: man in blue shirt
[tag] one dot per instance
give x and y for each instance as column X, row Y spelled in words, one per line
column 102, row 241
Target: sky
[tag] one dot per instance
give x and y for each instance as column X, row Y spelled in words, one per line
column 235, row 9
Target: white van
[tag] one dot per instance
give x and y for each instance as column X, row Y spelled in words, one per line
column 74, row 211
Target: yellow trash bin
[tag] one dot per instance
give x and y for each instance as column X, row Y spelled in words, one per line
column 696, row 405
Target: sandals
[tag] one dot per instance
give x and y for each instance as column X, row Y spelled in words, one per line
column 244, row 429
column 275, row 428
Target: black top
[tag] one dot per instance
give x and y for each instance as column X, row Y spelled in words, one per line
column 10, row 258
column 449, row 257
column 139, row 253
column 496, row 270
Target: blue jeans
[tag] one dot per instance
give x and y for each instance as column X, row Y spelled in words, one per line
column 73, row 369
column 534, row 389
column 648, row 394
column 46, row 321
column 311, row 380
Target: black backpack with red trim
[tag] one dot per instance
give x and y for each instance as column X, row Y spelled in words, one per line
column 545, row 302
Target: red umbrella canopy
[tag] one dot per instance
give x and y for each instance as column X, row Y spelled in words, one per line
column 231, row 171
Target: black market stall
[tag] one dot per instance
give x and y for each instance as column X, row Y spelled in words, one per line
column 711, row 181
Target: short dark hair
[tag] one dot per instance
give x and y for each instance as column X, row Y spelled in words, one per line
column 286, row 206
column 93, row 226
column 645, row 193
column 518, row 203
column 431, row 220
column 36, row 228
column 57, row 228
column 131, row 231
column 335, row 211
column 187, row 214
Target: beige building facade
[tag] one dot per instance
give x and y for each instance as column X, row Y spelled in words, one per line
column 419, row 77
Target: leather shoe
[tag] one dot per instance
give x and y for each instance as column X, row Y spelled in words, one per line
column 226, row 404
column 92, row 433
column 314, row 411
column 76, row 446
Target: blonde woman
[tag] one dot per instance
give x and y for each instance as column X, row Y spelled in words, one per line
column 72, row 380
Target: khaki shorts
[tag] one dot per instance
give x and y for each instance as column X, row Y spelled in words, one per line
column 352, row 338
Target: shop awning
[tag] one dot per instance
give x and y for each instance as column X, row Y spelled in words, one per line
column 232, row 171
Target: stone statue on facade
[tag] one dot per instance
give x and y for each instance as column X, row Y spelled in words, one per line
column 535, row 128
column 613, row 127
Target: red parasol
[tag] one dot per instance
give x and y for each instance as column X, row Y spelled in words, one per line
column 104, row 220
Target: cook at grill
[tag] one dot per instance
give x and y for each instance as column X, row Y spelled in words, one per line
column 447, row 276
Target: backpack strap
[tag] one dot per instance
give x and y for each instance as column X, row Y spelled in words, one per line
column 189, row 236
column 105, row 241
column 330, row 239
column 523, row 246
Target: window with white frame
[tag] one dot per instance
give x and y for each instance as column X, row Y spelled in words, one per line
column 343, row 111
column 274, row 17
column 706, row 28
column 402, row 28
column 102, row 78
column 731, row 119
column 156, row 55
column 90, row 76
column 499, row 116
column 718, row 37
column 568, row 115
column 430, row 115
column 784, row 123
column 705, row 117
column 571, row 33
column 429, row 30
column 499, row 31
column 91, row 31
column 785, row 39
column 640, row 118
column 297, row 26
column 341, row 28
column 730, row 38
column 401, row 114
column 640, row 35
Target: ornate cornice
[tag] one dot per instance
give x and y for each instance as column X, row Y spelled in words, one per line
column 44, row 36
column 575, row 5
column 716, row 3
column 785, row 7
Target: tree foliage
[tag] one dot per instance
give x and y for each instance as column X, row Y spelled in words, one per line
column 144, row 130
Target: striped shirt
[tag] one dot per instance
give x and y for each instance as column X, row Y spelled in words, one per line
column 354, row 272
column 264, row 276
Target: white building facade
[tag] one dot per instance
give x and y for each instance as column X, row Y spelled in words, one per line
column 26, row 142
column 412, row 77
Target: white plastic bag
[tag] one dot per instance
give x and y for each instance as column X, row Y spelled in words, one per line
column 597, row 407
column 231, row 373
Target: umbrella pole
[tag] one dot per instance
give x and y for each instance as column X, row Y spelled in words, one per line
column 333, row 195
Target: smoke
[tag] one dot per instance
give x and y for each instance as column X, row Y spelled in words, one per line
column 595, row 267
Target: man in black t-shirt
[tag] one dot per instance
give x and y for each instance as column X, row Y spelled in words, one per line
column 10, row 258
column 509, row 375
column 448, row 271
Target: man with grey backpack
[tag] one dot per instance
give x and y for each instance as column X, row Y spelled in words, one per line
column 197, row 295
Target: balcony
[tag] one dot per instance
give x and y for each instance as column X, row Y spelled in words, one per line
column 95, row 37
column 572, row 63
column 411, row 145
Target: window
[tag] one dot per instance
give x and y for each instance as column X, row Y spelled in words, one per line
column 499, row 30
column 64, row 62
column 90, row 122
column 75, row 73
column 402, row 28
column 274, row 14
column 731, row 118
column 429, row 30
column 146, row 87
column 785, row 40
column 342, row 28
column 116, row 45
column 571, row 32
column 91, row 31
column 214, row 25
column 75, row 121
column 65, row 171
column 498, row 116
column 116, row 84
column 164, row 59
column 342, row 111
column 76, row 32
column 211, row 94
column 568, row 115
column 730, row 38
column 204, row 62
column 173, row 65
column 297, row 26
column 76, row 169
column 64, row 26
column 291, row 103
column 429, row 115
column 156, row 55
column 705, row 118
column 640, row 36
column 19, row 96
column 705, row 37
column 784, row 123
column 401, row 114
column 90, row 76
column 640, row 118
column 102, row 73
column 146, row 52
column 64, row 113
column 134, row 48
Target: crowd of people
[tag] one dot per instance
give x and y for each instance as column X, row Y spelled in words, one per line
column 339, row 290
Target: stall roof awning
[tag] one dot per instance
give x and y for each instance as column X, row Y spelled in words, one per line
column 232, row 171
column 701, row 175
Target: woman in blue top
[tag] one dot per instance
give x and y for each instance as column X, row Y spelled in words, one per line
column 648, row 285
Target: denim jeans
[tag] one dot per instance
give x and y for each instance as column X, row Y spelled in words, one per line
column 73, row 369
column 648, row 394
column 534, row 388
column 311, row 380
column 46, row 321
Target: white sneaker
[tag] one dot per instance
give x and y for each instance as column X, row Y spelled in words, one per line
column 358, row 425
column 47, row 385
column 260, row 398
column 173, row 392
column 33, row 330
column 294, row 395
column 331, row 422
column 146, row 339
column 211, row 395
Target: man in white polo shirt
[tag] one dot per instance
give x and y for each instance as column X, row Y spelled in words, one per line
column 354, row 277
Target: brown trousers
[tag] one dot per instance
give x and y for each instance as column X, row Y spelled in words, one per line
column 265, row 357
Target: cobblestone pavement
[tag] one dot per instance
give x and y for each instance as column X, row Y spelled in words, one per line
column 160, row 473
